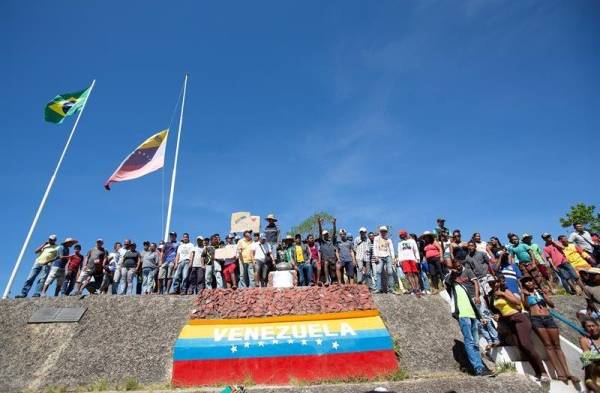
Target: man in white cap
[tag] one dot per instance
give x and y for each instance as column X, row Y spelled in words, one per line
column 57, row 270
column 47, row 253
column 383, row 251
column 362, row 247
column 272, row 232
column 261, row 253
column 198, row 271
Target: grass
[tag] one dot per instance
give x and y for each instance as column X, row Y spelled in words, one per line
column 505, row 367
column 398, row 375
column 131, row 384
column 100, row 385
column 55, row 389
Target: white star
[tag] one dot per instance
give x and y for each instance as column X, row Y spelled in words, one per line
column 261, row 344
column 275, row 341
column 233, row 348
column 290, row 341
column 246, row 345
column 319, row 341
column 335, row 345
column 303, row 342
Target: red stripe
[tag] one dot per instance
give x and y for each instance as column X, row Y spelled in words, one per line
column 281, row 370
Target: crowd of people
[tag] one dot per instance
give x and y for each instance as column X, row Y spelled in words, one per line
column 491, row 284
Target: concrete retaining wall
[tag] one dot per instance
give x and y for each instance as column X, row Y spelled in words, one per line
column 118, row 337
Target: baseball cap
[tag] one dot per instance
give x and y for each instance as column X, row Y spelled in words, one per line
column 343, row 231
column 262, row 236
column 324, row 232
column 52, row 237
column 402, row 233
column 546, row 235
column 173, row 233
column 99, row 240
column 199, row 238
column 362, row 229
column 383, row 228
column 523, row 236
column 230, row 236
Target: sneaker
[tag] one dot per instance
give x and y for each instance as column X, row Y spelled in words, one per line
column 35, row 295
column 486, row 372
column 19, row 296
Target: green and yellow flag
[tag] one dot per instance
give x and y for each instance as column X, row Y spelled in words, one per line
column 64, row 105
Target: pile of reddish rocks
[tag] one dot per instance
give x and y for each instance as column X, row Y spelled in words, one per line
column 267, row 302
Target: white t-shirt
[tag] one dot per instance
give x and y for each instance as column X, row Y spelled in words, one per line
column 185, row 251
column 259, row 255
column 197, row 262
column 408, row 250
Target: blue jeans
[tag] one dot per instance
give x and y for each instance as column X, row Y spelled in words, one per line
column 42, row 271
column 247, row 272
column 213, row 270
column 180, row 278
column 148, row 274
column 126, row 284
column 468, row 328
column 567, row 275
column 384, row 263
column 423, row 276
column 304, row 274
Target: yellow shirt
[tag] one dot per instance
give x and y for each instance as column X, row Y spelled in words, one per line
column 245, row 248
column 575, row 258
column 299, row 254
column 505, row 308
column 48, row 254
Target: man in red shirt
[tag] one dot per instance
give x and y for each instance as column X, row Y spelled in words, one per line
column 73, row 267
column 555, row 257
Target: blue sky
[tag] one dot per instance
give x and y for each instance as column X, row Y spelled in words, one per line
column 485, row 112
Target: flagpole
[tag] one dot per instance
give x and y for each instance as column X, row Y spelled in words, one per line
column 44, row 198
column 172, row 192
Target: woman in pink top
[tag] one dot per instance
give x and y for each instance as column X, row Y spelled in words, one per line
column 433, row 255
column 315, row 259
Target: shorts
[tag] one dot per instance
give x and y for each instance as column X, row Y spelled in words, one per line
column 409, row 267
column 227, row 270
column 542, row 322
column 348, row 267
column 85, row 274
column 165, row 271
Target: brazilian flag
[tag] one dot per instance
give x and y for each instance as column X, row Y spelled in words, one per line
column 64, row 105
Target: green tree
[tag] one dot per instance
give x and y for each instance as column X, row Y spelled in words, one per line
column 584, row 214
column 311, row 226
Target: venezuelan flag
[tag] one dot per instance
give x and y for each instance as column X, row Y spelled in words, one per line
column 147, row 158
column 278, row 350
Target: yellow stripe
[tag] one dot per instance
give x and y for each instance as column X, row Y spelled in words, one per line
column 155, row 140
column 207, row 331
column 287, row 318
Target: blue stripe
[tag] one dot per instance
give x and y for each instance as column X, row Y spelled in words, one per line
column 205, row 349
